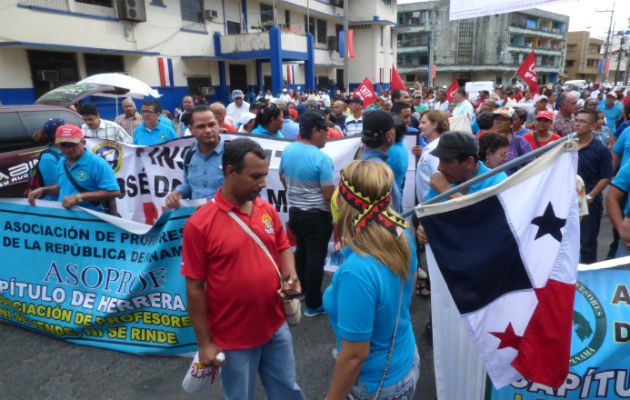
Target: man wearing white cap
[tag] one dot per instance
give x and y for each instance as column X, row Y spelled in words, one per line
column 284, row 96
column 238, row 106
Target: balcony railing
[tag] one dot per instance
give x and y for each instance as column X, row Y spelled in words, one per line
column 61, row 5
column 99, row 11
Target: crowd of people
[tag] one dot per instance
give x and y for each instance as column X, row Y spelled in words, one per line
column 236, row 243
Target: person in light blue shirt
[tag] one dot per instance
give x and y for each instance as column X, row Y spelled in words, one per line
column 49, row 157
column 290, row 128
column 621, row 150
column 269, row 122
column 378, row 137
column 463, row 105
column 307, row 174
column 203, row 174
column 153, row 131
column 612, row 111
column 369, row 297
column 458, row 152
column 617, row 192
column 83, row 178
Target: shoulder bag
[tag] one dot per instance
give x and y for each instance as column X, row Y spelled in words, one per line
column 109, row 205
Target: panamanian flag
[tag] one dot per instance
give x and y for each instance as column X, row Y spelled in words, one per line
column 165, row 66
column 509, row 257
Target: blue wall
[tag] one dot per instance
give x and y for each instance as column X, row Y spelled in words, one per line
column 17, row 96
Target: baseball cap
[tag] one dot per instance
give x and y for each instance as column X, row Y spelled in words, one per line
column 417, row 93
column 50, row 126
column 453, row 144
column 377, row 123
column 541, row 97
column 311, row 119
column 505, row 111
column 611, row 94
column 255, row 106
column 245, row 118
column 355, row 99
column 545, row 114
column 312, row 102
column 68, row 134
column 284, row 90
column 237, row 93
column 293, row 113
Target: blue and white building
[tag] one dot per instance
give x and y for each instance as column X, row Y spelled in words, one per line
column 209, row 46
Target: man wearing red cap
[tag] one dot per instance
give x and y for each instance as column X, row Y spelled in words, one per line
column 541, row 134
column 84, row 178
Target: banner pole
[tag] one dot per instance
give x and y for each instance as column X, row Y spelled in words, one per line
column 503, row 167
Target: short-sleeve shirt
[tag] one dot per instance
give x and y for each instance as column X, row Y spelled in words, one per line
column 47, row 167
column 306, row 169
column 594, row 164
column 398, row 161
column 427, row 166
column 160, row 134
column 622, row 146
column 290, row 129
column 204, row 174
column 612, row 115
column 91, row 172
column 353, row 126
column 622, row 182
column 562, row 124
column 241, row 283
column 261, row 131
column 486, row 183
column 464, row 108
column 362, row 305
column 378, row 156
column 532, row 140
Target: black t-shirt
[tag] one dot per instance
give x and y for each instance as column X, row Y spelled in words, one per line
column 594, row 164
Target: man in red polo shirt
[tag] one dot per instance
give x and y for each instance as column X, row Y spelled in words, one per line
column 232, row 286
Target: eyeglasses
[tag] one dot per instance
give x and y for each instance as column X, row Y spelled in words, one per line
column 67, row 145
column 147, row 112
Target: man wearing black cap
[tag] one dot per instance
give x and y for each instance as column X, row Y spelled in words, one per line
column 354, row 123
column 307, row 174
column 378, row 136
column 458, row 152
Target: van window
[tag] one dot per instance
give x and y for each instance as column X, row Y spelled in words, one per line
column 12, row 127
column 34, row 120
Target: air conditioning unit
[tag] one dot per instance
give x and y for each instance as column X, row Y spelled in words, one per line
column 47, row 75
column 207, row 91
column 332, row 42
column 210, row 14
column 132, row 10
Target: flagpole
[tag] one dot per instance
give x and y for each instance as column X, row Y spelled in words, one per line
column 503, row 167
column 346, row 78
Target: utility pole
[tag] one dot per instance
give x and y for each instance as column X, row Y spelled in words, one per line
column 346, row 83
column 612, row 13
column 432, row 16
column 622, row 41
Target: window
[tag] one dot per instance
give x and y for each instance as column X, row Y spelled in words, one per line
column 310, row 22
column 465, row 42
column 382, row 34
column 102, row 3
column 321, row 31
column 266, row 13
column 99, row 63
column 570, row 63
column 192, row 10
column 233, row 28
column 195, row 85
column 592, row 63
column 287, row 18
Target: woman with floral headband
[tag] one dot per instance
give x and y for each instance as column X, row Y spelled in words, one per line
column 369, row 296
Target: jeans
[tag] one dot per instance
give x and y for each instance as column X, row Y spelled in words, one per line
column 273, row 360
column 312, row 229
column 589, row 229
column 401, row 390
column 622, row 250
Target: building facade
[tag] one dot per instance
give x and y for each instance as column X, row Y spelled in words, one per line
column 211, row 46
column 489, row 48
column 582, row 57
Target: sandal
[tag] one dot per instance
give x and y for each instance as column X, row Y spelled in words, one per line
column 422, row 289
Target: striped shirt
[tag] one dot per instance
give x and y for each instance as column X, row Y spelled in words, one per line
column 107, row 130
column 354, row 126
column 129, row 124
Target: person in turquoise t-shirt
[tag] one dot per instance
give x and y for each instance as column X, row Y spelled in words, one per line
column 369, row 297
column 49, row 157
column 269, row 122
column 153, row 130
column 617, row 192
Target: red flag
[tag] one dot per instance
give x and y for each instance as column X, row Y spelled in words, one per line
column 350, row 43
column 366, row 92
column 449, row 93
column 527, row 71
column 396, row 82
column 434, row 69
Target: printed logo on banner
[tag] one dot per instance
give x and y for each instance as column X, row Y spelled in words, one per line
column 111, row 152
column 268, row 222
column 589, row 331
column 82, row 175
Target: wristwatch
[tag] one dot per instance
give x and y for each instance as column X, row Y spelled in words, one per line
column 589, row 199
column 79, row 198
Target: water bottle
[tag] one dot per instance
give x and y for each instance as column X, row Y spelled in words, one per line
column 200, row 376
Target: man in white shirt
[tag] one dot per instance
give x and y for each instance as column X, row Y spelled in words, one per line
column 96, row 127
column 238, row 106
column 432, row 124
column 441, row 101
column 285, row 96
column 463, row 105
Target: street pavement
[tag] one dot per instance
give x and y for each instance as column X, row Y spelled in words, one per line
column 39, row 367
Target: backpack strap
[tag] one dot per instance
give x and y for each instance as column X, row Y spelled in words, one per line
column 49, row 151
column 188, row 158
